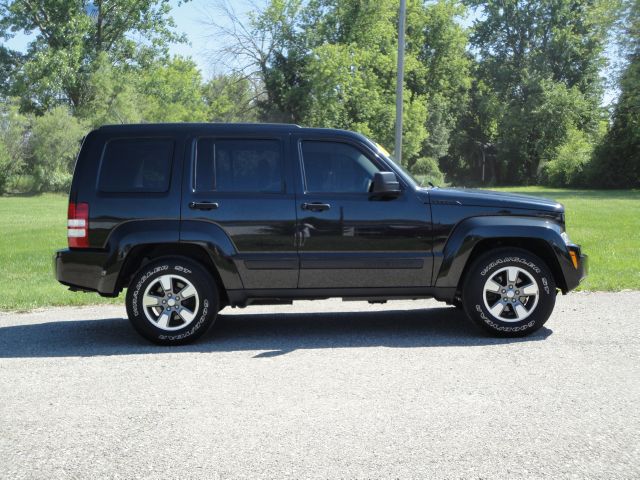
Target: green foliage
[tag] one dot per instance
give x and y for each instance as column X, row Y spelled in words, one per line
column 346, row 94
column 427, row 170
column 112, row 97
column 66, row 42
column 172, row 92
column 513, row 99
column 530, row 132
column 54, row 144
column 14, row 132
column 230, row 98
column 617, row 160
column 333, row 64
column 5, row 167
column 540, row 64
column 569, row 167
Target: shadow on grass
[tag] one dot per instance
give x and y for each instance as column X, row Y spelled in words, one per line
column 270, row 334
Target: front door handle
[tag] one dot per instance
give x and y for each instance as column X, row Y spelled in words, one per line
column 203, row 205
column 316, row 206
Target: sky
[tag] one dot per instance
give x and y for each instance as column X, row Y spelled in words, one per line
column 191, row 18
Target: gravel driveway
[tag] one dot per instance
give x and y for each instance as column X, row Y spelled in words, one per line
column 402, row 390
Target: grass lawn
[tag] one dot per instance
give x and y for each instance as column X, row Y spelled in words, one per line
column 606, row 223
column 31, row 229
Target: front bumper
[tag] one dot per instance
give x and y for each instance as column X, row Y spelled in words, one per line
column 574, row 273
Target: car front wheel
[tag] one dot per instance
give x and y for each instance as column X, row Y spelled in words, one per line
column 509, row 292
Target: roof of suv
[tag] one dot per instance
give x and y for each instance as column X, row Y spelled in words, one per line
column 220, row 127
column 187, row 126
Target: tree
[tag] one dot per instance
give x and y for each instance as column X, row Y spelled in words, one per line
column 9, row 62
column 439, row 44
column 53, row 146
column 171, row 92
column 541, row 60
column 230, row 98
column 617, row 159
column 112, row 97
column 14, row 134
column 70, row 35
column 333, row 64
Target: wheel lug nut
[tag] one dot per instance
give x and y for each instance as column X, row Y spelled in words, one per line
column 517, row 292
column 510, row 286
column 505, row 299
column 504, row 291
column 514, row 300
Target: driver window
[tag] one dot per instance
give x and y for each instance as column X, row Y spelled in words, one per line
column 333, row 167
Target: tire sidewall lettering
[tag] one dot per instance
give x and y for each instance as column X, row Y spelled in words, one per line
column 141, row 282
column 504, row 262
column 204, row 314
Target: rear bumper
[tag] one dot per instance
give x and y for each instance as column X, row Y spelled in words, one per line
column 574, row 274
column 85, row 270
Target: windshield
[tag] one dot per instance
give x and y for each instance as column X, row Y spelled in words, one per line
column 383, row 151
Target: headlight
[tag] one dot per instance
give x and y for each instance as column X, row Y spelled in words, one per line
column 565, row 237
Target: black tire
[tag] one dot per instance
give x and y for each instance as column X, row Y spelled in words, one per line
column 174, row 320
column 510, row 302
column 457, row 303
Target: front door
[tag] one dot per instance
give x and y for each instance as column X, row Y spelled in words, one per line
column 349, row 238
column 240, row 185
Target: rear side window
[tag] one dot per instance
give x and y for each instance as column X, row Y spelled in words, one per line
column 132, row 165
column 242, row 165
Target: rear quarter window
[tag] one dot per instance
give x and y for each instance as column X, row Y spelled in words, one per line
column 131, row 165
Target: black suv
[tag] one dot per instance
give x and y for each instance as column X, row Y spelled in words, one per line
column 190, row 218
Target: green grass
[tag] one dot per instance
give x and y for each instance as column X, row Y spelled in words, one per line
column 606, row 223
column 31, row 229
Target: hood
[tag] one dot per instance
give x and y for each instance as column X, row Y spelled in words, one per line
column 488, row 198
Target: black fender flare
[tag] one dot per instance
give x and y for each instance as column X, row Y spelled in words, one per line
column 129, row 235
column 471, row 231
column 215, row 241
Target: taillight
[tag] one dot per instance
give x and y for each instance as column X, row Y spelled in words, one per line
column 78, row 225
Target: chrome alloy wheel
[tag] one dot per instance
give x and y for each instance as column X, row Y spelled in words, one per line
column 511, row 294
column 170, row 302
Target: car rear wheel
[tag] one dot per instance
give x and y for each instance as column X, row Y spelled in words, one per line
column 172, row 301
column 509, row 292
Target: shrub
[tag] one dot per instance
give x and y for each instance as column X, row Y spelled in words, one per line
column 21, row 184
column 54, row 144
column 426, row 169
column 569, row 166
column 13, row 134
column 5, row 167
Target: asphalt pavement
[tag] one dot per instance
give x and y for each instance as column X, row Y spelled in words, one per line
column 325, row 389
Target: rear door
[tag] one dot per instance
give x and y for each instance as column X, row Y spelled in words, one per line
column 241, row 185
column 347, row 237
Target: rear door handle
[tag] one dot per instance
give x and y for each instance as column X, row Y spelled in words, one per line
column 203, row 205
column 316, row 206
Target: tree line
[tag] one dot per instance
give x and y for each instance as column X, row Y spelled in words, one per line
column 496, row 92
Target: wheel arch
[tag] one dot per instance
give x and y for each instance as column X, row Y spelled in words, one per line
column 141, row 255
column 478, row 235
column 537, row 246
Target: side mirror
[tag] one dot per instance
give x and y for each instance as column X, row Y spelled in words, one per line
column 386, row 184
